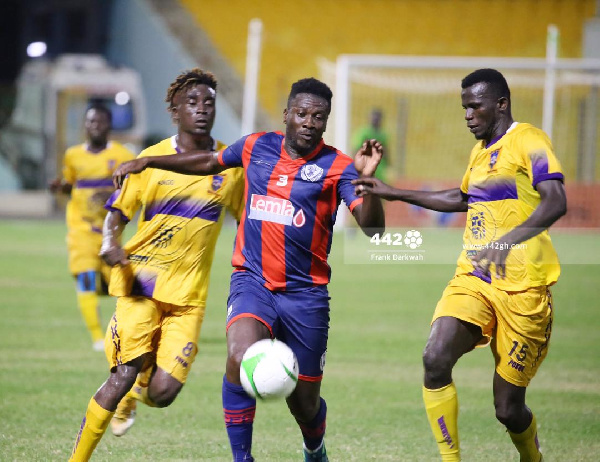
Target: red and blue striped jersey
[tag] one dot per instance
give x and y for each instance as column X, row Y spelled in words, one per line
column 285, row 232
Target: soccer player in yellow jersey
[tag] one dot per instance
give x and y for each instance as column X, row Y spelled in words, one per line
column 512, row 192
column 161, row 275
column 86, row 177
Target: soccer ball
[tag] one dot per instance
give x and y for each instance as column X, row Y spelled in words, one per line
column 269, row 370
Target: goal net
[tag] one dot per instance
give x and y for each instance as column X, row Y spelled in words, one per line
column 428, row 142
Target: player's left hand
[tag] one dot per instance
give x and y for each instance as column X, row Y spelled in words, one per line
column 496, row 254
column 368, row 157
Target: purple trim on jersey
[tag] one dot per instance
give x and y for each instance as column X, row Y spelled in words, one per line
column 110, row 206
column 184, row 207
column 539, row 164
column 489, row 192
column 114, row 209
column 143, row 285
column 95, row 183
column 95, row 229
column 547, row 176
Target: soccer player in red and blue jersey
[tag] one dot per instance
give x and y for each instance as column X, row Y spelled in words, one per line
column 294, row 185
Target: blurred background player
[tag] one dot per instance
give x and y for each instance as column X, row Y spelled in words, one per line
column 161, row 275
column 279, row 284
column 86, row 177
column 512, row 192
column 374, row 131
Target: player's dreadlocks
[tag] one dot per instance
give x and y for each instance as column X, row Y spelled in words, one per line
column 188, row 78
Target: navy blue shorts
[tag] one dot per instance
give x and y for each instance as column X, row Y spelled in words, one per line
column 298, row 318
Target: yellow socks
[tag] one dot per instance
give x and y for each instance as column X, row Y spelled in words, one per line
column 527, row 443
column 88, row 305
column 442, row 411
column 92, row 428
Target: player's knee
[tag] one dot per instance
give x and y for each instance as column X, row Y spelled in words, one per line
column 436, row 362
column 162, row 394
column 507, row 413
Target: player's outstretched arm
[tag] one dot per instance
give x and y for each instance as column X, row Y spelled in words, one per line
column 552, row 206
column 112, row 230
column 188, row 163
column 449, row 200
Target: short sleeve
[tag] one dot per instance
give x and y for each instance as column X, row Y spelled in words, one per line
column 127, row 200
column 464, row 185
column 346, row 189
column 236, row 202
column 232, row 155
column 68, row 170
column 539, row 159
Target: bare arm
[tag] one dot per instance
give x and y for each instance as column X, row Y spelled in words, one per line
column 449, row 200
column 189, row 163
column 111, row 251
column 369, row 215
column 552, row 206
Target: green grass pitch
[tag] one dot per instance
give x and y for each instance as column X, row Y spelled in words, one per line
column 379, row 323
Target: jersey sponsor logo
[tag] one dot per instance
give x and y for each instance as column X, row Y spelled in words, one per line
column 275, row 210
column 311, row 172
column 166, row 182
column 493, row 159
column 217, row 182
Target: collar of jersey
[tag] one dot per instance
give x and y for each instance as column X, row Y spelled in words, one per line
column 495, row 140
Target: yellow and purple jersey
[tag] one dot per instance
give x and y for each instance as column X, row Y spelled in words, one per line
column 89, row 173
column 180, row 219
column 500, row 183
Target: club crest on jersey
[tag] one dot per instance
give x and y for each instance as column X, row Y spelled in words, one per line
column 112, row 164
column 494, row 159
column 275, row 210
column 217, row 182
column 311, row 172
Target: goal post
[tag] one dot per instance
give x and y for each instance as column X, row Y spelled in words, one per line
column 420, row 99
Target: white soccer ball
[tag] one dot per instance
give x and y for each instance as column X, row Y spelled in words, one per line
column 269, row 370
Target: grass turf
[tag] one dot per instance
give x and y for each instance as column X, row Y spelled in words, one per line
column 379, row 323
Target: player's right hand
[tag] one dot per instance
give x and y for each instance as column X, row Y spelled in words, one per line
column 114, row 256
column 133, row 166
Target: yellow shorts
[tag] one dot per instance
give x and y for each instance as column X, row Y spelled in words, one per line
column 518, row 324
column 84, row 247
column 143, row 325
